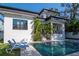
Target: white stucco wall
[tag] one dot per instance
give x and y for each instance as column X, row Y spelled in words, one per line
column 18, row 35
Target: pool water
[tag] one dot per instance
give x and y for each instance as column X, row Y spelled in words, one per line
column 56, row 48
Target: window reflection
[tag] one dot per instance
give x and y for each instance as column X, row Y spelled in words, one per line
column 19, row 24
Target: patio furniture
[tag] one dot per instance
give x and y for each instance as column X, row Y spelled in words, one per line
column 14, row 41
column 15, row 45
column 21, row 42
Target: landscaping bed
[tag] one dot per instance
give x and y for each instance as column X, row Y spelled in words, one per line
column 1, row 40
column 3, row 47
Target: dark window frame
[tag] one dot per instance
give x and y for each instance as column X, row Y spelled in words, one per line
column 17, row 24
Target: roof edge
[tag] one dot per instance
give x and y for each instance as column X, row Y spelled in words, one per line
column 47, row 10
column 13, row 8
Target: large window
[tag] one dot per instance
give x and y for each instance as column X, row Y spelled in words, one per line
column 19, row 24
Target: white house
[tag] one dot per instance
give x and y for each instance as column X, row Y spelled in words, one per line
column 18, row 23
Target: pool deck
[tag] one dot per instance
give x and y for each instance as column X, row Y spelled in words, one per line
column 29, row 51
column 74, row 54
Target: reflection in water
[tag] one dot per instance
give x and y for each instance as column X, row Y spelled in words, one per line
column 55, row 48
column 58, row 47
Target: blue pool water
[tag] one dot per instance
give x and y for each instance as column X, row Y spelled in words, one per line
column 56, row 48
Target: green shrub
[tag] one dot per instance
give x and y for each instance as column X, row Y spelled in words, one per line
column 3, row 48
column 41, row 29
column 37, row 31
column 47, row 30
column 1, row 40
column 37, row 36
column 3, row 52
column 72, row 26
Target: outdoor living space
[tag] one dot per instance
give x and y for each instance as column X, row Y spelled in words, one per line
column 20, row 23
column 57, row 31
column 16, row 28
column 44, row 33
column 28, row 51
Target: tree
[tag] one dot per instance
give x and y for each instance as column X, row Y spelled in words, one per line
column 47, row 30
column 71, row 26
column 41, row 29
column 37, row 31
column 71, row 9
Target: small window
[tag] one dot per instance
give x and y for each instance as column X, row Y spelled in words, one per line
column 19, row 24
column 43, row 15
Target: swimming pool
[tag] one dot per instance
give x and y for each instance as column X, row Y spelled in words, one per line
column 56, row 48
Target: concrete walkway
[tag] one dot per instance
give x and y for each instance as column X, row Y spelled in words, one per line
column 74, row 54
column 30, row 51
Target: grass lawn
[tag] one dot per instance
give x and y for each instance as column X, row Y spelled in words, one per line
column 3, row 47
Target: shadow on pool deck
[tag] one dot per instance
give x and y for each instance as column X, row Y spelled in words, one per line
column 29, row 51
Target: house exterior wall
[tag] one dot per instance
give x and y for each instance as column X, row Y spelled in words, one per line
column 18, row 35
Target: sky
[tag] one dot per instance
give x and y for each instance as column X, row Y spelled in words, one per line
column 35, row 7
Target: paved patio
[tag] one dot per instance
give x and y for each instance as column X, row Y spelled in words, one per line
column 30, row 51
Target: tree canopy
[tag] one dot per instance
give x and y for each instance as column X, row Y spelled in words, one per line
column 71, row 9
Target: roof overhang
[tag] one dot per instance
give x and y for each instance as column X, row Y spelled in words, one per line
column 15, row 11
column 55, row 19
column 59, row 19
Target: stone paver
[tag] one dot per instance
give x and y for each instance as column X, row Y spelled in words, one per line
column 30, row 51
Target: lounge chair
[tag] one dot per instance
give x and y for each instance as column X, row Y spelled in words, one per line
column 14, row 45
column 21, row 42
column 14, row 41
